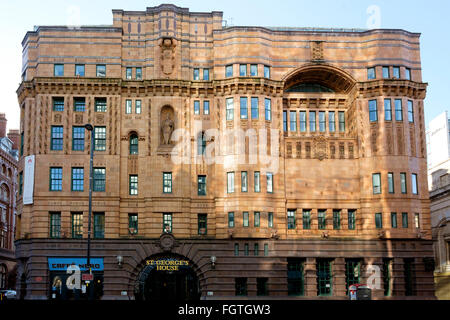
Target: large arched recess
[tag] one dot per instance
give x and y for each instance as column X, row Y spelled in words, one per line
column 334, row 78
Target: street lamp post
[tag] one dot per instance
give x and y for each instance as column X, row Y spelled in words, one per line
column 90, row 128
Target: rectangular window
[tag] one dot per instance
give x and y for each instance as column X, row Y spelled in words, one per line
column 99, row 225
column 302, row 121
column 56, row 179
column 100, row 104
column 254, row 107
column 236, row 249
column 266, row 72
column 244, row 181
column 336, row 219
column 403, row 182
column 128, row 106
column 78, row 138
column 167, row 182
column 133, row 185
column 404, row 219
column 351, row 213
column 139, row 73
column 99, row 179
column 202, row 185
column 378, row 220
column 390, row 182
column 57, row 138
column 58, row 70
column 256, row 219
column 79, row 70
column 256, row 249
column 398, row 110
column 306, row 219
column 324, row 277
column 20, row 183
column 230, row 219
column 205, row 74
column 257, row 182
column 386, row 73
column 376, row 183
column 322, row 214
column 22, row 136
column 387, row 110
column 167, row 222
column 206, row 107
column 396, row 72
column 270, row 219
column 268, row 109
column 243, row 70
column 77, row 179
column 269, row 182
column 129, row 73
column 196, row 74
column 133, row 223
column 266, row 249
column 410, row 111
column 394, row 220
column 240, row 286
column 373, row 113
column 79, row 104
column 230, row 182
column 229, row 71
column 77, row 225
column 100, row 138
column 293, row 121
column 387, row 267
column 322, row 121
column 291, row 219
column 410, row 278
column 55, row 224
column 230, row 108
column 138, row 106
column 101, row 70
column 253, row 70
column 417, row 220
column 352, row 272
column 312, row 121
column 245, row 219
column 407, row 74
column 295, row 276
column 331, row 121
column 202, row 224
column 244, row 108
column 371, row 74
column 246, row 249
column 341, row 115
column 284, row 121
column 196, row 107
column 414, row 183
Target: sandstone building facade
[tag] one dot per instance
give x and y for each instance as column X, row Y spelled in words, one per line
column 229, row 161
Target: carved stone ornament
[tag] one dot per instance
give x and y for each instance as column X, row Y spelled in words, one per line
column 320, row 148
column 57, row 118
column 167, row 55
column 167, row 242
column 317, row 51
column 78, row 118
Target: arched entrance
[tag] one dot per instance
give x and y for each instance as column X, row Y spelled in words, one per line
column 167, row 277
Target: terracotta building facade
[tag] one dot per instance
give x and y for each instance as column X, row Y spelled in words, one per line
column 229, row 162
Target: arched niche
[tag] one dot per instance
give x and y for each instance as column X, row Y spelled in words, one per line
column 167, row 125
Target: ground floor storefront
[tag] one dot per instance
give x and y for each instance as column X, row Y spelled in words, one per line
column 203, row 269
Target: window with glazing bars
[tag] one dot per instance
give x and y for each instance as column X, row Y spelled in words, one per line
column 253, row 70
column 243, row 70
column 78, row 138
column 230, row 108
column 371, row 73
column 403, row 182
column 270, row 219
column 138, row 73
column 56, row 179
column 352, row 272
column 100, row 104
column 206, row 107
column 390, row 182
column 266, row 72
column 167, row 182
column 386, row 73
column 134, row 144
column 398, row 110
column 256, row 249
column 99, row 179
column 128, row 106
column 201, row 144
column 244, row 107
column 302, row 121
column 133, row 223
column 138, row 106
column 331, row 121
column 244, row 181
column 77, row 179
column 410, row 112
column 257, row 182
column 306, row 219
column 322, row 121
column 414, row 189
column 407, row 74
column 229, row 71
column 378, row 220
column 79, row 70
column 394, row 220
column 20, row 182
column 245, row 219
column 387, row 110
column 312, row 121
column 101, row 70
column 296, row 277
column 285, row 121
column 373, row 114
column 205, row 74
column 246, row 249
column 376, row 183
column 396, row 72
column 57, row 138
column 230, row 182
column 351, row 218
column 404, row 219
column 268, row 109
column 336, row 219
column 324, row 277
column 269, row 176
column 256, row 219
column 77, row 225
column 79, row 104
column 291, row 219
column 202, row 224
column 58, row 70
column 201, row 185
column 55, row 224
column 236, row 249
column 196, row 74
column 99, row 225
column 230, row 219
column 196, row 107
column 167, row 222
column 133, row 185
column 129, row 73
column 322, row 219
column 100, row 138
column 293, row 121
column 341, row 115
column 266, row 249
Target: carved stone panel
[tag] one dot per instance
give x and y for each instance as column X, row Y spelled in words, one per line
column 317, row 51
column 167, row 55
column 320, row 148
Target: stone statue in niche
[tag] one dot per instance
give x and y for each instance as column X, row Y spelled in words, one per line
column 167, row 127
column 167, row 55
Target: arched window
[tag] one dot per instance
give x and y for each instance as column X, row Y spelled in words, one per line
column 201, row 144
column 134, row 144
column 3, row 273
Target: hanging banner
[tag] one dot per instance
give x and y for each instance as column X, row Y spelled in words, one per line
column 28, row 183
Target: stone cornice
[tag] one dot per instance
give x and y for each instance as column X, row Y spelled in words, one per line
column 392, row 87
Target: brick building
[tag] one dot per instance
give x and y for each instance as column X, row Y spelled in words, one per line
column 9, row 158
column 228, row 162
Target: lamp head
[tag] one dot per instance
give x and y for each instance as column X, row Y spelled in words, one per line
column 89, row 127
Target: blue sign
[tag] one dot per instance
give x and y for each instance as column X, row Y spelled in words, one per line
column 61, row 264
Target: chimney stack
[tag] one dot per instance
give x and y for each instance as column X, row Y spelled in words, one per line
column 14, row 136
column 3, row 122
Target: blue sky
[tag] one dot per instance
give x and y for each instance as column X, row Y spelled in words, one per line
column 430, row 18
